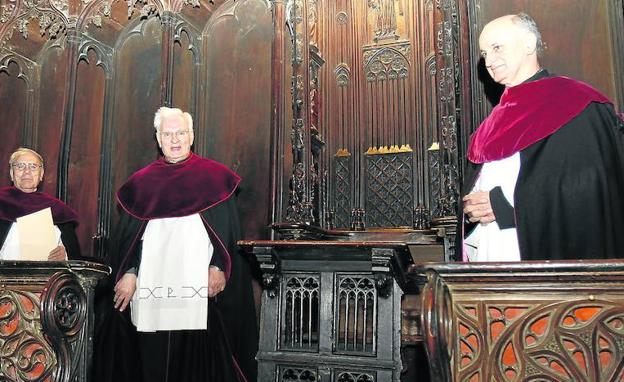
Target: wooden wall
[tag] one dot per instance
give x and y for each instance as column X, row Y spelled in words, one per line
column 80, row 82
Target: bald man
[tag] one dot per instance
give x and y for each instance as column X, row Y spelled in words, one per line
column 545, row 173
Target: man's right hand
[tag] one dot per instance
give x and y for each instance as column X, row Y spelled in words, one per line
column 478, row 207
column 124, row 290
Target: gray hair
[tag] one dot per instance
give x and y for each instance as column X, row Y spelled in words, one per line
column 165, row 112
column 526, row 23
column 21, row 151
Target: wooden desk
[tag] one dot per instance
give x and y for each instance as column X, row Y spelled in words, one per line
column 46, row 319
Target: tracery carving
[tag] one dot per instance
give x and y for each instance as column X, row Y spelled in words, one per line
column 25, row 66
column 550, row 341
column 104, row 54
column 390, row 62
column 26, row 355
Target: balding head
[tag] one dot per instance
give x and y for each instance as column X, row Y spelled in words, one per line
column 510, row 46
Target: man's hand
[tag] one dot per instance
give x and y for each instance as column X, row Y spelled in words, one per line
column 58, row 254
column 478, row 208
column 216, row 281
column 124, row 290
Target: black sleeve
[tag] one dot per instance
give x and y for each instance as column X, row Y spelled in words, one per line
column 217, row 260
column 126, row 254
column 503, row 211
column 70, row 240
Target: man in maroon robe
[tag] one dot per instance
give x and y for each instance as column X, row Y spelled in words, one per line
column 564, row 195
column 189, row 201
column 26, row 170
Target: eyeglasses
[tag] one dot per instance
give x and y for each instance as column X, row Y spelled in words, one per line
column 178, row 134
column 22, row 166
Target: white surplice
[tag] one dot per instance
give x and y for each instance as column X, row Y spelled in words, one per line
column 172, row 283
column 487, row 242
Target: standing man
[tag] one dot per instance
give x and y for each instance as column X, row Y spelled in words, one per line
column 545, row 174
column 188, row 289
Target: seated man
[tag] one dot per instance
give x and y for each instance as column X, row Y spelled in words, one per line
column 26, row 170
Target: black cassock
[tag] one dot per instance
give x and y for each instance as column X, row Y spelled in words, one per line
column 220, row 353
column 569, row 195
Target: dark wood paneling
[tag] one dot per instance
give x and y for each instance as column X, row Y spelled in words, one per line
column 84, row 170
column 237, row 103
column 184, row 72
column 136, row 98
column 54, row 69
column 12, row 114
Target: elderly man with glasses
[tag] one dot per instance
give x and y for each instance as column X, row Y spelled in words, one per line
column 21, row 199
column 189, row 290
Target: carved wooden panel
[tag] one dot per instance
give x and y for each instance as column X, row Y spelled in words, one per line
column 561, row 321
column 369, row 78
column 574, row 340
column 46, row 320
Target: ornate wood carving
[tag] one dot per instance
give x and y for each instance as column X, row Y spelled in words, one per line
column 26, row 355
column 374, row 99
column 561, row 321
column 46, row 320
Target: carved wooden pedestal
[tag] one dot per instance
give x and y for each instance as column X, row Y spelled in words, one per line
column 533, row 321
column 46, row 319
column 331, row 311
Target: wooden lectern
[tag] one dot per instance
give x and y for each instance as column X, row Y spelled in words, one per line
column 46, row 319
column 530, row 321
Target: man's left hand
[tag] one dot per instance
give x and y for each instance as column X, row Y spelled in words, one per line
column 478, row 207
column 216, row 281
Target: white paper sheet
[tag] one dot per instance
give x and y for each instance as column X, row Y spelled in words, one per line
column 36, row 235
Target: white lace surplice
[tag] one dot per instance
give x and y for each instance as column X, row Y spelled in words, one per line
column 172, row 284
column 487, row 242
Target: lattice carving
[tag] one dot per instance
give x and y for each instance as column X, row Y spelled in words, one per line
column 342, row 192
column 298, row 374
column 355, row 376
column 356, row 315
column 545, row 341
column 25, row 353
column 300, row 313
column 389, row 190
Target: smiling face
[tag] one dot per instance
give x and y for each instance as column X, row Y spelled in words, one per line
column 509, row 51
column 175, row 139
column 26, row 179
